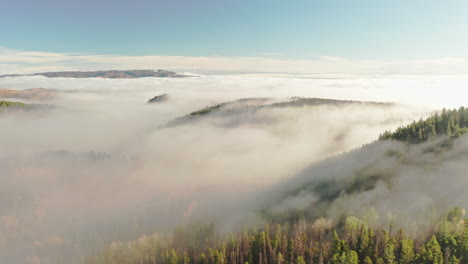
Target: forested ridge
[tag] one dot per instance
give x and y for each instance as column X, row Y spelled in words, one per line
column 6, row 106
column 451, row 123
column 257, row 104
column 350, row 241
column 11, row 104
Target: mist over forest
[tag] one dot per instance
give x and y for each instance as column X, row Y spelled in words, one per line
column 88, row 163
column 233, row 132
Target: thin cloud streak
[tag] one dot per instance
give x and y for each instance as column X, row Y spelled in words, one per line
column 17, row 61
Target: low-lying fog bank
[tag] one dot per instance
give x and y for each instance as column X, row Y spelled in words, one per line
column 102, row 165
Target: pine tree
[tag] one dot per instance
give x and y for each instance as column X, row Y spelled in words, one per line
column 364, row 244
column 453, row 260
column 389, row 253
column 432, row 253
column 300, row 260
column 173, row 258
column 279, row 258
column 407, row 251
column 352, row 257
column 367, row 260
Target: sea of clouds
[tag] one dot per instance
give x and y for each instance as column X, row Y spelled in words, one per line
column 101, row 165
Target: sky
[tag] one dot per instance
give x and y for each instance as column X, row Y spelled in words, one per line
column 219, row 36
column 300, row 29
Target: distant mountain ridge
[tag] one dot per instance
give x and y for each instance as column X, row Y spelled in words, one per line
column 112, row 74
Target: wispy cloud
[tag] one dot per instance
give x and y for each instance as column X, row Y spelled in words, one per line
column 17, row 61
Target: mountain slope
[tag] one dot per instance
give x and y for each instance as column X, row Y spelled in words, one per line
column 389, row 175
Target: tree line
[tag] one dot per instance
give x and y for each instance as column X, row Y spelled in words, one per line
column 11, row 104
column 351, row 241
column 451, row 123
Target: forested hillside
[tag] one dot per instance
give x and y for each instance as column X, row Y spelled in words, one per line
column 308, row 235
column 448, row 122
column 350, row 241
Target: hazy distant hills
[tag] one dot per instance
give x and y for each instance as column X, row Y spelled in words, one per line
column 36, row 94
column 29, row 99
column 113, row 74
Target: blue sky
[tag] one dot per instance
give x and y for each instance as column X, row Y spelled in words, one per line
column 296, row 29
